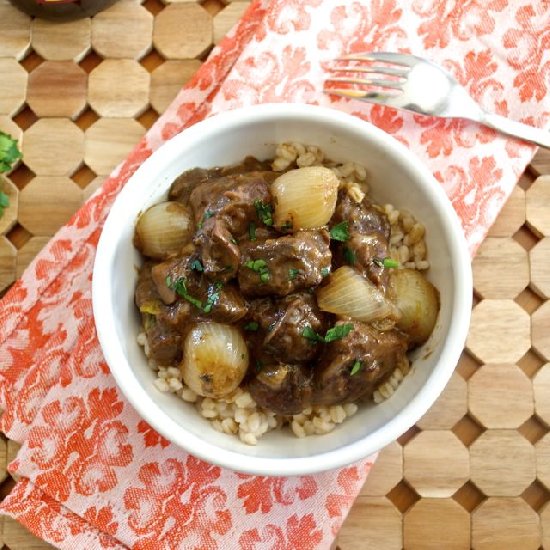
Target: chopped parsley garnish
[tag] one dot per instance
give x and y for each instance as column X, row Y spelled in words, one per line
column 213, row 297
column 234, row 241
column 340, row 232
column 252, row 231
column 293, row 273
column 309, row 334
column 252, row 326
column 349, row 255
column 260, row 267
column 197, row 266
column 264, row 212
column 338, row 332
column 325, row 272
column 385, row 262
column 207, row 214
column 356, row 368
column 180, row 288
column 335, row 333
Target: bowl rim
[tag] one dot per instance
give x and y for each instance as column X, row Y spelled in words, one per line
column 146, row 406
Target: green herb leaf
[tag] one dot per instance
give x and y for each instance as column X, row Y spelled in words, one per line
column 4, row 202
column 180, row 288
column 207, row 214
column 168, row 281
column 349, row 255
column 356, row 368
column 213, row 297
column 252, row 326
column 252, row 231
column 338, row 332
column 234, row 241
column 197, row 266
column 293, row 273
column 340, row 232
column 9, row 152
column 325, row 272
column 388, row 262
column 264, row 212
column 309, row 334
column 260, row 267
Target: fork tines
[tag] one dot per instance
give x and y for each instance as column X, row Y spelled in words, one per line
column 367, row 76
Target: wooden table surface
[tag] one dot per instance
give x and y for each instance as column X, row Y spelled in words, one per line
column 475, row 471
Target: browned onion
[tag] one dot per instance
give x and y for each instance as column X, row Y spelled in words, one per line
column 164, row 229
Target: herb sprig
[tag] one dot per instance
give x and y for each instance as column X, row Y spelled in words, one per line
column 349, row 255
column 207, row 215
column 264, row 212
column 335, row 333
column 196, row 265
column 9, row 154
column 252, row 231
column 179, row 286
column 260, row 267
column 356, row 368
column 293, row 273
column 388, row 262
column 340, row 232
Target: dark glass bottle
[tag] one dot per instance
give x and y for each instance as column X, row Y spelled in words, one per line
column 62, row 10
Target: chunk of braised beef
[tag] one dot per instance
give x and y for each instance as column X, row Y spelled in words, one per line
column 210, row 300
column 232, row 199
column 164, row 343
column 183, row 185
column 283, row 389
column 292, row 263
column 369, row 237
column 170, row 272
column 228, row 305
column 224, row 210
column 372, row 356
column 280, row 325
column 217, row 250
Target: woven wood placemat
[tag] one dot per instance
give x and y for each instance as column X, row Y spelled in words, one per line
column 475, row 471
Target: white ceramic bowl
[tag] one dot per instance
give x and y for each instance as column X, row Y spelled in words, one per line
column 396, row 176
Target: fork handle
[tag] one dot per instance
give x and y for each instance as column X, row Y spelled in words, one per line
column 517, row 129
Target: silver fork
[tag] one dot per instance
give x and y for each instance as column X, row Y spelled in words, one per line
column 409, row 82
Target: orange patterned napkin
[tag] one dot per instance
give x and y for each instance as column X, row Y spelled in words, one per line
column 92, row 473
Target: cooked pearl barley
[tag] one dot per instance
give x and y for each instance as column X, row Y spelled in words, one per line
column 419, row 250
